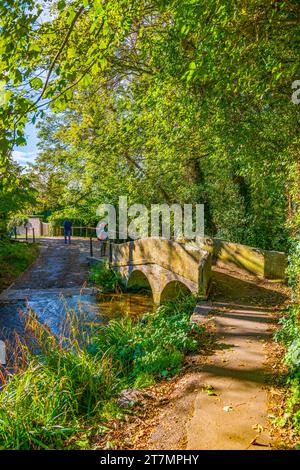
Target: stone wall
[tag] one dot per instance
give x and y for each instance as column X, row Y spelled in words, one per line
column 248, row 258
column 44, row 229
column 275, row 265
column 268, row 264
column 182, row 259
column 204, row 273
column 33, row 222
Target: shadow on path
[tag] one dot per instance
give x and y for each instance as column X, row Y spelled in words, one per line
column 241, row 313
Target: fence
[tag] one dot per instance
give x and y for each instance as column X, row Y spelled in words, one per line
column 29, row 234
column 82, row 232
column 100, row 249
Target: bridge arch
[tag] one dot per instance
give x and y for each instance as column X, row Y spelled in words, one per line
column 138, row 278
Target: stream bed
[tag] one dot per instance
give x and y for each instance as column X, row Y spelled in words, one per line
column 52, row 309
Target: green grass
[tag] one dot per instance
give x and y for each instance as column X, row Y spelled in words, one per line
column 63, row 397
column 14, row 259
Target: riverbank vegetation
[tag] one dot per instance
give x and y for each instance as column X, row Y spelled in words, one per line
column 289, row 335
column 64, row 396
column 106, row 279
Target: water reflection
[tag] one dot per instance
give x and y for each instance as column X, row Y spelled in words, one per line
column 116, row 305
column 89, row 310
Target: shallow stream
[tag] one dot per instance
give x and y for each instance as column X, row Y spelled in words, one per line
column 52, row 309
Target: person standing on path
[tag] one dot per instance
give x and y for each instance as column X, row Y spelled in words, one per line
column 67, row 230
column 103, row 238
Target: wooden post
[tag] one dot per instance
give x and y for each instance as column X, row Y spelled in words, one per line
column 91, row 247
column 110, row 251
column 26, row 233
column 33, row 235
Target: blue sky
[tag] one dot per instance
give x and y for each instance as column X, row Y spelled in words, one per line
column 27, row 154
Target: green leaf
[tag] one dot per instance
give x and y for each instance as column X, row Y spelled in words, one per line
column 18, row 77
column 5, row 97
column 36, row 83
column 87, row 80
column 61, row 4
column 21, row 141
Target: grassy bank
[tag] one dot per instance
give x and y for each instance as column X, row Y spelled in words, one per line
column 289, row 335
column 63, row 397
column 15, row 259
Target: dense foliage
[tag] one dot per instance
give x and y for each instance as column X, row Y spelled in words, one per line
column 289, row 334
column 177, row 101
column 16, row 195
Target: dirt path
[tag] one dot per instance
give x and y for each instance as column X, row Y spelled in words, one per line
column 221, row 401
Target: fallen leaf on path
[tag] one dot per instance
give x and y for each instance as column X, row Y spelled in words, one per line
column 209, row 389
column 212, row 393
column 258, row 427
column 227, row 408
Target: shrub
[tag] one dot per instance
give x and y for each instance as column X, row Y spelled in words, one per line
column 107, row 279
column 14, row 259
column 155, row 345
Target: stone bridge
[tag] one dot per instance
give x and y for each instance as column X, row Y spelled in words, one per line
column 167, row 266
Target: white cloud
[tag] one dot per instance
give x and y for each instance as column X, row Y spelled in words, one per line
column 23, row 158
